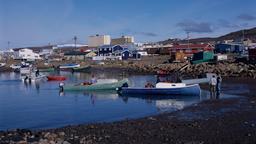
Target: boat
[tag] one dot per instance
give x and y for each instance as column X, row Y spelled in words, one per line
column 56, row 78
column 68, row 66
column 102, row 84
column 17, row 66
column 2, row 64
column 163, row 89
column 33, row 78
column 25, row 70
column 199, row 80
column 46, row 70
column 82, row 69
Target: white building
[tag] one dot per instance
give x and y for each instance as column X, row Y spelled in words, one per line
column 99, row 40
column 26, row 54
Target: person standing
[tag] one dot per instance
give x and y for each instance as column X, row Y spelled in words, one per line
column 213, row 83
column 93, row 79
column 218, row 85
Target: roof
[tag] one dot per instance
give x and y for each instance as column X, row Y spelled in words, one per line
column 75, row 53
column 191, row 46
column 35, row 48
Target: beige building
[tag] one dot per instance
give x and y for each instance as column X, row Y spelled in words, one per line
column 99, row 40
column 123, row 40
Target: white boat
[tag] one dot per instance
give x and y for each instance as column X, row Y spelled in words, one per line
column 25, row 70
column 33, row 78
column 162, row 89
column 2, row 64
column 13, row 66
column 199, row 80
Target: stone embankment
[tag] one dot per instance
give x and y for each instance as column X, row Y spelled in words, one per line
column 226, row 69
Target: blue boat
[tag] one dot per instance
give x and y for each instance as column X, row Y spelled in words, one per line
column 67, row 66
column 174, row 89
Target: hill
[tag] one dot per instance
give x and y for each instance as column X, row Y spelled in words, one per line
column 248, row 33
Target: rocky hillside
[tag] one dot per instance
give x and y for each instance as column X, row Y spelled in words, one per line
column 248, row 33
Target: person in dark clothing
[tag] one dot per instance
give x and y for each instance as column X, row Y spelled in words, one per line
column 37, row 73
column 218, row 85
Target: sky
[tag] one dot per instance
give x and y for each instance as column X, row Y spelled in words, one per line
column 41, row 22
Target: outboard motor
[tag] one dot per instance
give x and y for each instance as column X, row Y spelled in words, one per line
column 120, row 88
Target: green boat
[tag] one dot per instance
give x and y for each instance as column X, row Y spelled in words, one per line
column 46, row 70
column 100, row 85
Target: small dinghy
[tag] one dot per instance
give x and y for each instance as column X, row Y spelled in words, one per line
column 56, row 78
column 163, row 89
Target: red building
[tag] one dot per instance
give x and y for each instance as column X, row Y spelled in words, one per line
column 190, row 49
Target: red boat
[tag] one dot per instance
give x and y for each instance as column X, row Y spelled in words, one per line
column 56, row 78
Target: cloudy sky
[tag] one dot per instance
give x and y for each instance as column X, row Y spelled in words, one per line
column 39, row 22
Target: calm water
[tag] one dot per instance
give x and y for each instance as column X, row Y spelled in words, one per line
column 40, row 105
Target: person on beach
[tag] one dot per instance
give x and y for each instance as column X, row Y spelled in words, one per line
column 37, row 73
column 213, row 83
column 218, row 85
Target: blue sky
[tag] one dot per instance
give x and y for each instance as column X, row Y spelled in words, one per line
column 39, row 22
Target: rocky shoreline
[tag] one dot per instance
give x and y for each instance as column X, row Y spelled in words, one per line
column 226, row 69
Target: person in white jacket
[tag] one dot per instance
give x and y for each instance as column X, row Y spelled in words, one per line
column 213, row 83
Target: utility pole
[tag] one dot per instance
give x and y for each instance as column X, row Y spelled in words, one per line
column 75, row 39
column 243, row 36
column 188, row 38
column 8, row 43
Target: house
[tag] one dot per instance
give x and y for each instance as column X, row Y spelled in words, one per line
column 107, row 50
column 78, row 55
column 158, row 49
column 252, row 54
column 90, row 54
column 115, row 52
column 26, row 54
column 143, row 53
column 190, row 49
column 229, row 48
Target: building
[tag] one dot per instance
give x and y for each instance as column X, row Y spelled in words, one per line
column 157, row 49
column 116, row 52
column 78, row 55
column 252, row 54
column 190, row 49
column 108, row 50
column 26, row 54
column 229, row 48
column 123, row 40
column 99, row 40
